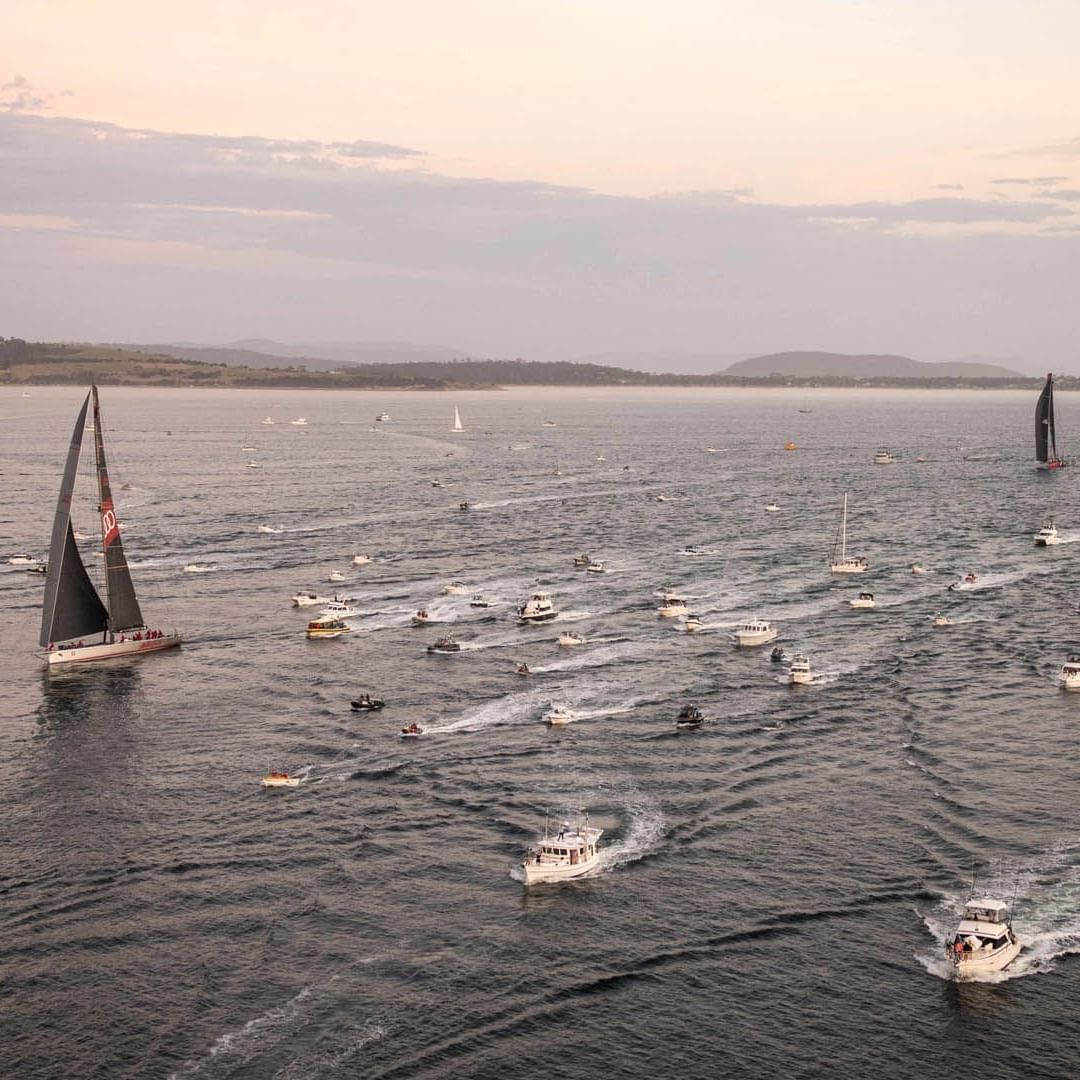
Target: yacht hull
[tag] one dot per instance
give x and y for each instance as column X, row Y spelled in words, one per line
column 977, row 966
column 110, row 650
column 542, row 874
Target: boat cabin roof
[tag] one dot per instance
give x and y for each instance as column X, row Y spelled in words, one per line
column 541, row 596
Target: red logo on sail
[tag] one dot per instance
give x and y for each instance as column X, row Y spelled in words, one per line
column 110, row 530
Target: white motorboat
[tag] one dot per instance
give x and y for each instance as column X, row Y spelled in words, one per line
column 22, row 559
column 569, row 637
column 300, row 421
column 693, row 624
column 269, row 530
column 754, row 632
column 841, row 562
column 863, row 600
column 480, row 601
column 941, row 620
column 329, row 627
column 339, row 609
column 884, row 457
column 569, row 853
column 663, row 498
column 917, row 569
column 582, row 560
column 413, row 731
column 361, row 560
column 275, row 779
column 559, row 717
column 444, row 645
column 335, row 575
column 538, row 608
column 421, row 618
column 456, row 588
column 1069, row 675
column 253, row 465
column 772, row 508
column 308, row 599
column 249, row 449
column 196, row 568
column 268, row 420
column 672, row 607
column 549, row 423
column 1047, row 535
column 799, row 672
column 984, row 941
column 382, row 418
column 596, row 567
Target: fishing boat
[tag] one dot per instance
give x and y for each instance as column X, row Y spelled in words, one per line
column 361, row 560
column 330, row 627
column 538, row 608
column 884, row 457
column 799, row 673
column 1046, row 451
column 841, row 562
column 984, row 941
column 569, row 637
column 562, row 855
column 456, row 424
column 559, row 717
column 941, row 619
column 672, row 607
column 690, row 716
column 72, row 610
column 276, row 779
column 693, row 624
column 1069, row 675
column 444, row 645
column 308, row 599
column 863, row 600
column 755, row 632
column 366, row 703
column 1047, row 535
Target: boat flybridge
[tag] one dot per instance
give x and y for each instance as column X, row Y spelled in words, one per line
column 800, row 672
column 1069, row 675
column 538, row 608
column 560, row 856
column 754, row 632
column 984, row 941
column 841, row 562
column 1047, row 535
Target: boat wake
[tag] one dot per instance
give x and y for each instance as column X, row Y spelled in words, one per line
column 643, row 838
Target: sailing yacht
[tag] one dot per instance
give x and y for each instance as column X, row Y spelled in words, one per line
column 845, row 564
column 457, row 425
column 1046, row 452
column 73, row 611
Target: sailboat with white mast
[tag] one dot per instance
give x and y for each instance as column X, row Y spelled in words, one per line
column 1046, row 451
column 457, row 425
column 73, row 611
column 845, row 564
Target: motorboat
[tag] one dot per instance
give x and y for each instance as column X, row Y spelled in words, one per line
column 970, row 579
column 1069, row 675
column 560, row 856
column 464, row 506
column 421, row 618
column 549, row 423
column 582, row 560
column 790, row 446
column 917, row 569
column 884, row 457
column 382, row 418
column 456, row 588
column 1047, row 535
column 444, row 645
column 569, row 637
column 269, row 530
column 366, row 703
column 480, row 601
column 690, row 716
column 596, row 567
column 300, row 421
column 778, row 656
column 799, row 673
column 559, row 717
column 920, row 460
column 22, row 559
column 339, row 609
column 308, row 599
column 693, row 624
column 941, row 619
column 249, row 449
column 329, row 627
column 663, row 498
column 413, row 731
column 361, row 560
column 522, row 669
column 275, row 779
column 863, row 600
column 335, row 575
column 267, row 419
column 40, row 568
column 196, row 568
column 841, row 562
column 253, row 464
column 984, row 941
column 436, row 483
column 538, row 608
column 754, row 632
column 772, row 508
column 672, row 607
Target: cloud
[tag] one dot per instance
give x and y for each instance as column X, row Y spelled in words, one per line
column 944, row 210
column 1012, row 180
column 949, row 187
column 18, row 96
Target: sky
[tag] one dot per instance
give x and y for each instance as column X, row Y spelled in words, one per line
column 548, row 180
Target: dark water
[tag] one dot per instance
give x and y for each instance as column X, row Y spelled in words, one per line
column 776, row 885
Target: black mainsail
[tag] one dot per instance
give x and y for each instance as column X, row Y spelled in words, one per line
column 1046, row 452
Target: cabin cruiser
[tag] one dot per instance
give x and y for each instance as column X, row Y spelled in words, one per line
column 1069, row 675
column 479, row 601
column 690, row 716
column 582, row 560
column 413, row 731
column 569, row 853
column 300, row 421
column 538, row 608
column 339, row 609
column 941, row 619
column 772, row 508
column 22, row 559
column 755, row 632
column 557, row 716
column 1047, row 535
column 336, row 575
column 326, row 628
column 268, row 529
column 366, row 703
column 361, row 560
column 569, row 637
column 421, row 618
column 596, row 567
column 800, row 672
column 444, row 645
column 456, row 588
column 984, row 941
column 672, row 607
column 863, row 600
column 308, row 599
column 884, row 457
column 276, row 779
column 693, row 624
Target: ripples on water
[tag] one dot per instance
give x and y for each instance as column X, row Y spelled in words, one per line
column 775, row 886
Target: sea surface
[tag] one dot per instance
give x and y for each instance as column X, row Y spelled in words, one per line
column 776, row 887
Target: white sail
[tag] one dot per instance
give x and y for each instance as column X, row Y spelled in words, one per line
column 456, row 425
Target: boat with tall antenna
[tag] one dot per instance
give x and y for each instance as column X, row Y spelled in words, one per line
column 566, row 853
column 984, row 941
column 1046, row 451
column 73, row 610
column 457, row 424
column 841, row 562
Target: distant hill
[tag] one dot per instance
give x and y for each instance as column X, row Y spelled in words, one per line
column 804, row 365
column 338, row 353
column 676, row 363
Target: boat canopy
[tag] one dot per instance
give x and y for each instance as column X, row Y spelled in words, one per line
column 985, row 910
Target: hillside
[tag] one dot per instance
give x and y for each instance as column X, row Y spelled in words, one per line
column 869, row 366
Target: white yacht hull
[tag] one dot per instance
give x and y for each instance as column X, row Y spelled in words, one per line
column 543, row 616
column 1069, row 682
column 110, row 650
column 538, row 874
column 802, row 678
column 848, row 568
column 972, row 965
column 1046, row 541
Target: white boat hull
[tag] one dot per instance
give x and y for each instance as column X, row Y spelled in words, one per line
column 848, row 568
column 538, row 874
column 758, row 637
column 280, row 782
column 802, row 678
column 1069, row 682
column 110, row 650
column 972, row 965
column 543, row 616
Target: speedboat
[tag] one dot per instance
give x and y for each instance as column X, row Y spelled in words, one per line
column 196, row 568
column 436, row 483
column 596, row 567
column 479, row 601
column 863, row 600
column 559, row 717
column 335, row 575
column 308, row 599
column 22, row 559
column 800, row 672
column 326, row 628
column 538, row 608
column 40, row 568
column 662, row 498
column 884, row 457
column 772, row 508
column 1069, row 675
column 413, row 731
column 366, row 703
column 755, row 632
column 456, row 588
column 672, row 607
column 444, row 645
column 276, row 779
column 690, row 716
column 421, row 618
column 569, row 853
column 522, row 669
column 269, row 530
column 300, row 421
column 549, row 423
column 1047, row 535
column 339, row 609
column 464, row 506
column 568, row 637
column 253, row 464
column 790, row 446
column 268, row 420
column 582, row 560
column 984, row 941
column 917, row 569
column 361, row 560
column 778, row 656
column 693, row 624
column 382, row 418
column 942, row 620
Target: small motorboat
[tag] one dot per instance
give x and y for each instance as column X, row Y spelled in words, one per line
column 382, row 418
column 522, row 669
column 693, row 624
column 300, row 421
column 326, row 628
column 863, row 600
column 672, row 607
column 917, row 569
column 41, row 568
column 970, row 579
column 582, row 560
column 246, row 449
column 799, row 673
column 1069, row 675
column 690, row 716
column 1047, row 535
column 366, row 703
column 479, row 601
column 921, row 460
column 339, row 609
column 790, row 446
column 253, row 464
column 549, row 423
column 413, row 731
column 421, row 618
column 569, row 853
column 456, row 588
column 276, row 779
column 755, row 632
column 778, row 656
column 361, row 560
column 20, row 558
column 569, row 637
column 884, row 457
column 308, row 599
column 267, row 419
column 269, row 530
column 596, row 567
column 436, row 483
column 772, row 508
column 196, row 568
column 335, row 575
column 444, row 645
column 464, row 506
column 984, row 941
column 941, row 620
column 559, row 717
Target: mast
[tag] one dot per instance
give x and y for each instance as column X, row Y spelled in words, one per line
column 124, row 613
column 843, row 531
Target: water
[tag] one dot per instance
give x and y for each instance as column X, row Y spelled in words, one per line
column 775, row 886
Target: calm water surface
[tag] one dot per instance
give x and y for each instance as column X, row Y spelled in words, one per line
column 776, row 886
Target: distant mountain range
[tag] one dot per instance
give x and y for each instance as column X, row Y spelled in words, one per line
column 804, row 365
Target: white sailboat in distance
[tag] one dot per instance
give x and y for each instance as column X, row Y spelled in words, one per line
column 457, row 425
